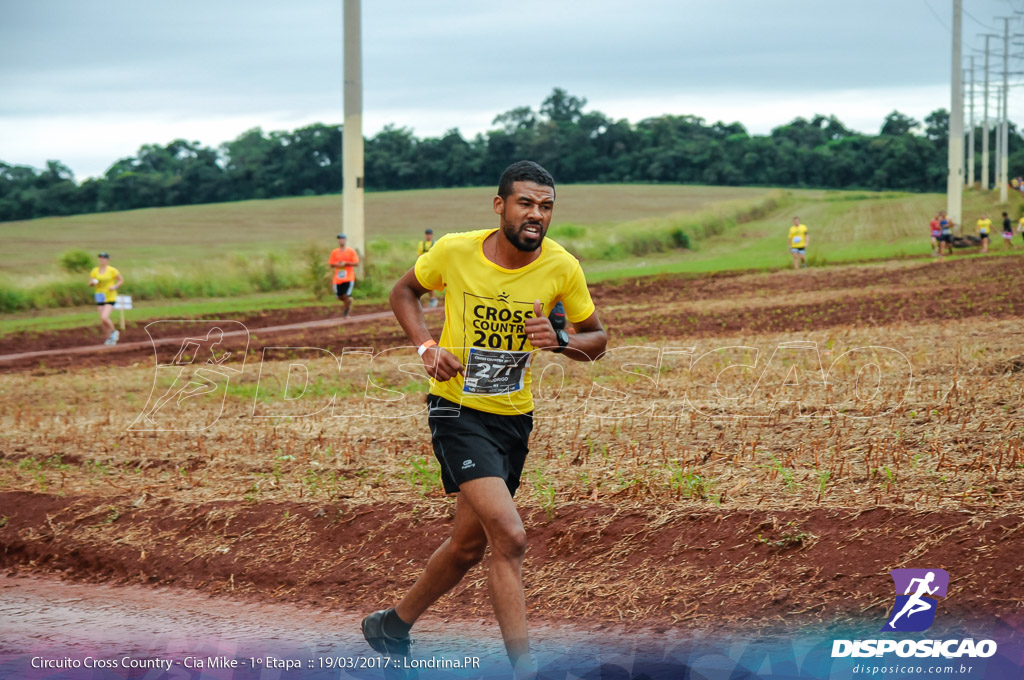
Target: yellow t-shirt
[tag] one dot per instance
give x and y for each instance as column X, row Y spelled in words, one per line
column 984, row 226
column 798, row 236
column 423, row 247
column 106, row 281
column 1020, row 224
column 485, row 308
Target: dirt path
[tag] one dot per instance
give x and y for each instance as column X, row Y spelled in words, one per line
column 47, row 621
column 145, row 345
column 158, row 634
column 660, row 306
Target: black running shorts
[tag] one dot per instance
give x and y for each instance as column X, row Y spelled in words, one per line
column 343, row 289
column 471, row 444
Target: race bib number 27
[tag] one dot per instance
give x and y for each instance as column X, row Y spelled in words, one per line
column 495, row 371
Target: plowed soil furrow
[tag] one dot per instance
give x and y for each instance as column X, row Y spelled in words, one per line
column 589, row 561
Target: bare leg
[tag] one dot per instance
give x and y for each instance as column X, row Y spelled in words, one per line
column 447, row 565
column 108, row 325
column 496, row 511
column 485, row 514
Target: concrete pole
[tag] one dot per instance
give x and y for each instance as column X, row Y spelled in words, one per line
column 955, row 178
column 1004, row 166
column 985, row 184
column 970, row 133
column 352, row 133
column 998, row 150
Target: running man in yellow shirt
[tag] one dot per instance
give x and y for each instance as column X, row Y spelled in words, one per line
column 502, row 283
column 984, row 229
column 106, row 280
column 798, row 243
column 422, row 248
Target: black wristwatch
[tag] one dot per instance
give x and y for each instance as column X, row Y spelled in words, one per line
column 563, row 340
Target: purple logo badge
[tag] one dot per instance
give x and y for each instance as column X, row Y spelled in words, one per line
column 916, row 592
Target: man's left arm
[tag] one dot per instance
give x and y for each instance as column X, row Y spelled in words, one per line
column 589, row 341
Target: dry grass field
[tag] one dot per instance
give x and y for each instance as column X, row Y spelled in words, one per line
column 155, row 236
column 745, row 432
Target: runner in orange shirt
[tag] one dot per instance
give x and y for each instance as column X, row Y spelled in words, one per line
column 344, row 260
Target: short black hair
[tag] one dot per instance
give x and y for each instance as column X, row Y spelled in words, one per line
column 523, row 171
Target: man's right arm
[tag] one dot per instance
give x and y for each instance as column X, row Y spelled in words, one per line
column 441, row 364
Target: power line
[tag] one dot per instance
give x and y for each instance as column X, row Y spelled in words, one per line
column 985, row 26
column 936, row 15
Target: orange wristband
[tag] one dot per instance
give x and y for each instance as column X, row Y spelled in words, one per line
column 425, row 346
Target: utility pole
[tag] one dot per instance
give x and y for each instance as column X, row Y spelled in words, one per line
column 955, row 178
column 970, row 134
column 999, row 136
column 1004, row 166
column 352, row 132
column 985, row 185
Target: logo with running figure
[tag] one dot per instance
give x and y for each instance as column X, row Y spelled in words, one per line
column 916, row 591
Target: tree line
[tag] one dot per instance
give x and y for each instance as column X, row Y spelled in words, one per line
column 574, row 144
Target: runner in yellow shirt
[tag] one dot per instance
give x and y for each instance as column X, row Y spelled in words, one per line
column 798, row 243
column 106, row 280
column 502, row 283
column 984, row 229
column 422, row 248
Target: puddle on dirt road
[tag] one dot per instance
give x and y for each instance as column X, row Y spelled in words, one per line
column 54, row 629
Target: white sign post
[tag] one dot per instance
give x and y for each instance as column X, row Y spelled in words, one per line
column 122, row 303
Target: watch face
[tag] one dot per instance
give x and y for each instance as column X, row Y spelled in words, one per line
column 563, row 338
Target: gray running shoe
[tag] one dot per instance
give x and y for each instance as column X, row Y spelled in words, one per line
column 373, row 631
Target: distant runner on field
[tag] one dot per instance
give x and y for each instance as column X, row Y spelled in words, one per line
column 984, row 228
column 502, row 283
column 945, row 234
column 1007, row 232
column 344, row 260
column 798, row 243
column 422, row 248
column 936, row 233
column 106, row 280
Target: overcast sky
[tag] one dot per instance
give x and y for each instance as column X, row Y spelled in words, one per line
column 89, row 81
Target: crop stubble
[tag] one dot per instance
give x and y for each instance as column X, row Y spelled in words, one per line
column 681, row 517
